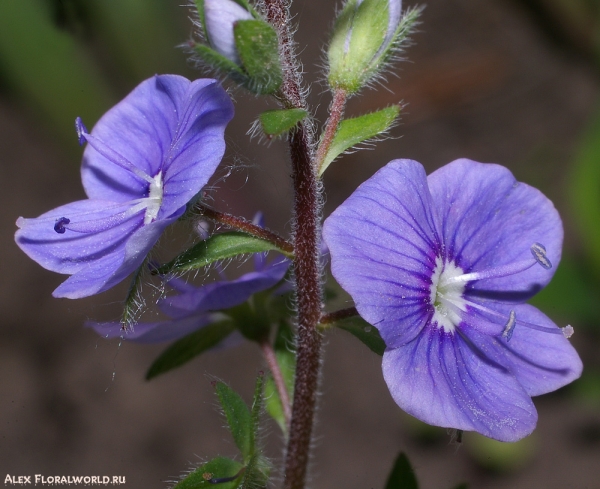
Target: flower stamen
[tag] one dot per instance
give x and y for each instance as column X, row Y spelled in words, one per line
column 539, row 257
column 109, row 153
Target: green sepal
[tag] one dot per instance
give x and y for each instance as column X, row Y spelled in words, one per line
column 350, row 64
column 357, row 130
column 277, row 122
column 239, row 419
column 353, row 64
column 402, row 475
column 221, row 64
column 366, row 333
column 252, row 318
column 134, row 300
column 287, row 365
column 258, row 48
column 190, row 346
column 216, row 248
column 210, row 473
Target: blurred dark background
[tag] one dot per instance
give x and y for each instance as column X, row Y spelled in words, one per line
column 513, row 82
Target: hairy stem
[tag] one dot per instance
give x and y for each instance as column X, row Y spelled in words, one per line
column 246, row 226
column 307, row 269
column 336, row 112
column 273, row 364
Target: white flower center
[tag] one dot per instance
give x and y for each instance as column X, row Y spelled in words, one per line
column 154, row 199
column 446, row 295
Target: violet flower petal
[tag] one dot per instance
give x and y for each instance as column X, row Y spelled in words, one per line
column 448, row 380
column 540, row 361
column 70, row 252
column 225, row 294
column 154, row 332
column 483, row 208
column 166, row 124
column 383, row 241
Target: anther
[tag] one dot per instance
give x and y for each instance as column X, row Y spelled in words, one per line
column 539, row 253
column 59, row 225
column 81, row 130
column 567, row 331
column 510, row 326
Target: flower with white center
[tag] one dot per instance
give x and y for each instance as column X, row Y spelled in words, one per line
column 442, row 266
column 145, row 159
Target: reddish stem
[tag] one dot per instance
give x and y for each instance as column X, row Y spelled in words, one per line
column 307, row 268
column 246, row 226
column 273, row 364
column 336, row 112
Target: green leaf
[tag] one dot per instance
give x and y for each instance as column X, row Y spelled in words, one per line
column 216, row 248
column 364, row 332
column 239, row 419
column 46, row 68
column 216, row 473
column 277, row 122
column 403, row 475
column 258, row 48
column 192, row 345
column 357, row 130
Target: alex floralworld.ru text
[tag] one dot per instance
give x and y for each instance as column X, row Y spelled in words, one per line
column 59, row 480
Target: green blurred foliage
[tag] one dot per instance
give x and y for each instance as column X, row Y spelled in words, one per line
column 67, row 58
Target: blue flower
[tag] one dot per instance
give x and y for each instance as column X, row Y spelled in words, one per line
column 146, row 158
column 194, row 307
column 442, row 266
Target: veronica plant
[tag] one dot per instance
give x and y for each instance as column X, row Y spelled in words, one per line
column 442, row 266
column 146, row 158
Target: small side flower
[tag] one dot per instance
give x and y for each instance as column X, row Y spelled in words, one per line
column 193, row 308
column 145, row 159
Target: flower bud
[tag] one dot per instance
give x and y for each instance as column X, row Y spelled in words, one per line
column 365, row 34
column 220, row 17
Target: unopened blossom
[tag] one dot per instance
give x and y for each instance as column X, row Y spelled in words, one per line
column 145, row 159
column 442, row 266
column 220, row 17
column 365, row 35
column 193, row 307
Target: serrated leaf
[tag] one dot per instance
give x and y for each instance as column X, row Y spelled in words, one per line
column 402, row 475
column 192, row 345
column 258, row 48
column 366, row 333
column 239, row 419
column 357, row 130
column 277, row 122
column 216, row 248
column 218, row 471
